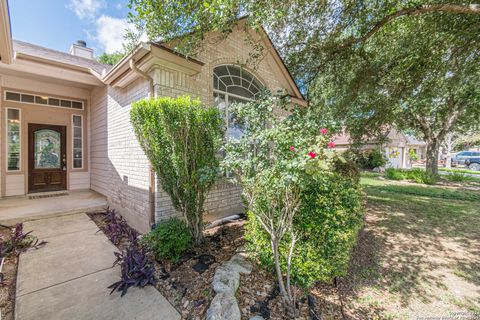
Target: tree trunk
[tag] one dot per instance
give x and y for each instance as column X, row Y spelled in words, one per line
column 433, row 147
column 287, row 299
column 195, row 224
column 449, row 147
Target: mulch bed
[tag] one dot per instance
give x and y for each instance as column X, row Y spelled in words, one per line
column 188, row 284
column 7, row 286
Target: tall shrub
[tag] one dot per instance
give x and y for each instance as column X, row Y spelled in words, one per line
column 181, row 138
column 281, row 161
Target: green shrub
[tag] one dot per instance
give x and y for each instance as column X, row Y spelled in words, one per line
column 417, row 175
column 394, row 174
column 327, row 225
column 181, row 138
column 168, row 240
column 367, row 159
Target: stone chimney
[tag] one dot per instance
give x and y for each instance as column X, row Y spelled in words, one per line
column 80, row 49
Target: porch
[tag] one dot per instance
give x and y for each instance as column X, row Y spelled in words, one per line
column 20, row 209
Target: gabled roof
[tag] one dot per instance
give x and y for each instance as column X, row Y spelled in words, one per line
column 32, row 50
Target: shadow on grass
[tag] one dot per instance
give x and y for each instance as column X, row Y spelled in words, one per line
column 411, row 245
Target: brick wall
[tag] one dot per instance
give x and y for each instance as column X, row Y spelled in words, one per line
column 224, row 198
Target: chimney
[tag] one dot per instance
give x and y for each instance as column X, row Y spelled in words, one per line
column 80, row 49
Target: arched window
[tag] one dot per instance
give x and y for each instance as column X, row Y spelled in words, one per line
column 233, row 84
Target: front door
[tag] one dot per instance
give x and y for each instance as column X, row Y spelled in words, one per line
column 47, row 160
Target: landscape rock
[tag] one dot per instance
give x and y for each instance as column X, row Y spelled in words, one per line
column 224, row 307
column 226, row 279
column 225, row 283
column 256, row 318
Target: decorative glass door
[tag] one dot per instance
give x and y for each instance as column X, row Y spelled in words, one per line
column 47, row 158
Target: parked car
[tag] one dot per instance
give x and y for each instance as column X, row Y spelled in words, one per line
column 473, row 163
column 459, row 158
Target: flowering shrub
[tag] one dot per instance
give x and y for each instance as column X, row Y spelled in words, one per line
column 283, row 161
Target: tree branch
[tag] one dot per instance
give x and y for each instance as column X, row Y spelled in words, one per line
column 421, row 9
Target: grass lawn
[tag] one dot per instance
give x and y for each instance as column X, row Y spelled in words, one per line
column 459, row 170
column 419, row 254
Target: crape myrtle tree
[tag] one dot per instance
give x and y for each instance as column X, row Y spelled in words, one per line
column 281, row 151
column 409, row 63
column 181, row 138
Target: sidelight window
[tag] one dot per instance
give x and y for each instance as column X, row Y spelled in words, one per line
column 77, row 136
column 13, row 139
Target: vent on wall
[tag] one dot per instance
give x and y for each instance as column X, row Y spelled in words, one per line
column 42, row 100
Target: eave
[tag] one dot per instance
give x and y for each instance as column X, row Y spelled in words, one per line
column 40, row 67
column 146, row 56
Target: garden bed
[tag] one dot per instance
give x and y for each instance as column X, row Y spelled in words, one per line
column 8, row 285
column 188, row 284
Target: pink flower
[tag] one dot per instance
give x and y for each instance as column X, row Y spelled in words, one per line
column 331, row 144
column 324, row 131
column 312, row 154
column 292, row 148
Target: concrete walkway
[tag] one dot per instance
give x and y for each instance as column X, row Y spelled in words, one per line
column 21, row 209
column 68, row 278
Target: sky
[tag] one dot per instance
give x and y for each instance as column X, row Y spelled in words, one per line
column 56, row 24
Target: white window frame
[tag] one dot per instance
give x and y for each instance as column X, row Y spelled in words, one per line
column 43, row 105
column 73, row 143
column 7, row 142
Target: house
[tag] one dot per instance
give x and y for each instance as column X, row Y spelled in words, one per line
column 65, row 121
column 396, row 147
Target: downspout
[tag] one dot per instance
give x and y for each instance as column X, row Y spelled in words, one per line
column 151, row 173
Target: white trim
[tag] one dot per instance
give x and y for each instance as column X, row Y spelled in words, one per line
column 42, row 105
column 73, row 142
column 20, row 138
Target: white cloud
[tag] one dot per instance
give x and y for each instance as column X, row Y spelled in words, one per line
column 111, row 32
column 86, row 9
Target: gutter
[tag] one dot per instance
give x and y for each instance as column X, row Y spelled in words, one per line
column 151, row 173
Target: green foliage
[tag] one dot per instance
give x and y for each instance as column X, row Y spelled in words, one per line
column 394, row 174
column 169, row 240
column 406, row 63
column 326, row 224
column 369, row 159
column 417, row 175
column 457, row 177
column 295, row 200
column 110, row 58
column 412, row 155
column 181, row 138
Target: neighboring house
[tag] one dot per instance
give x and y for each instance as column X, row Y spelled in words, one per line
column 65, row 122
column 396, row 148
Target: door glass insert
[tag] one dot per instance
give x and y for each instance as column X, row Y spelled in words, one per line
column 47, row 153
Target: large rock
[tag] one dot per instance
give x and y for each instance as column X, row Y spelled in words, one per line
column 227, row 276
column 224, row 307
column 226, row 279
column 225, row 283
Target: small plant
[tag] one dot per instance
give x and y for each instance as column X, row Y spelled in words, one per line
column 412, row 155
column 19, row 241
column 137, row 270
column 457, row 177
column 168, row 240
column 116, row 228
